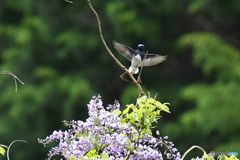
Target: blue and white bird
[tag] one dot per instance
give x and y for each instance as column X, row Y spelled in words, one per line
column 138, row 58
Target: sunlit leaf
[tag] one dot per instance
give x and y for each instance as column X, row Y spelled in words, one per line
column 92, row 154
column 223, row 158
column 116, row 112
column 151, row 101
column 105, row 155
column 130, row 115
column 150, row 105
column 141, row 101
column 126, row 111
column 73, row 157
column 2, row 151
column 132, row 120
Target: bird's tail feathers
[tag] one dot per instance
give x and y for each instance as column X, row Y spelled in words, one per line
column 125, row 76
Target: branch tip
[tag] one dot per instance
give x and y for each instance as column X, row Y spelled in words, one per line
column 68, row 1
column 14, row 77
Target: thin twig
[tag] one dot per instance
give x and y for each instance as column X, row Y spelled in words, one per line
column 184, row 155
column 11, row 145
column 140, row 73
column 68, row 1
column 14, row 77
column 111, row 54
column 2, row 145
column 128, row 155
column 135, row 144
column 155, row 96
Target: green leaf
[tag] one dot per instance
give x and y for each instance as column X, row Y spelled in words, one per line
column 205, row 156
column 123, row 120
column 126, row 111
column 232, row 158
column 131, row 106
column 132, row 120
column 130, row 115
column 92, row 154
column 116, row 112
column 151, row 100
column 165, row 108
column 150, row 106
column 139, row 113
column 223, row 157
column 2, row 151
column 73, row 157
column 135, row 137
column 105, row 155
column 141, row 101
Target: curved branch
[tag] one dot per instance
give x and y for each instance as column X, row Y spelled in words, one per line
column 184, row 155
column 68, row 1
column 141, row 93
column 14, row 77
column 140, row 73
column 11, row 145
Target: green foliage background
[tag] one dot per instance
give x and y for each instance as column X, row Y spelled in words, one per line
column 55, row 49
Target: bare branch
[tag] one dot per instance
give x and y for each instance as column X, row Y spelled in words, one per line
column 14, row 77
column 184, row 155
column 140, row 73
column 11, row 145
column 111, row 54
column 68, row 1
column 155, row 96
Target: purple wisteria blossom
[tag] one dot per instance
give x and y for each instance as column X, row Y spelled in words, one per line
column 105, row 136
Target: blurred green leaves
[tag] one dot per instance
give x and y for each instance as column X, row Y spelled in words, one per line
column 127, row 18
column 197, row 6
column 217, row 100
column 213, row 55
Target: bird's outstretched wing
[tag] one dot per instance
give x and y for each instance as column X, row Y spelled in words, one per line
column 153, row 59
column 124, row 50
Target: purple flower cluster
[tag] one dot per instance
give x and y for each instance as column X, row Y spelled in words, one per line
column 104, row 136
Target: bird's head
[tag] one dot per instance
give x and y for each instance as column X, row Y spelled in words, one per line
column 141, row 47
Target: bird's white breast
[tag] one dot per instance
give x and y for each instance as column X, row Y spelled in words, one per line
column 136, row 61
